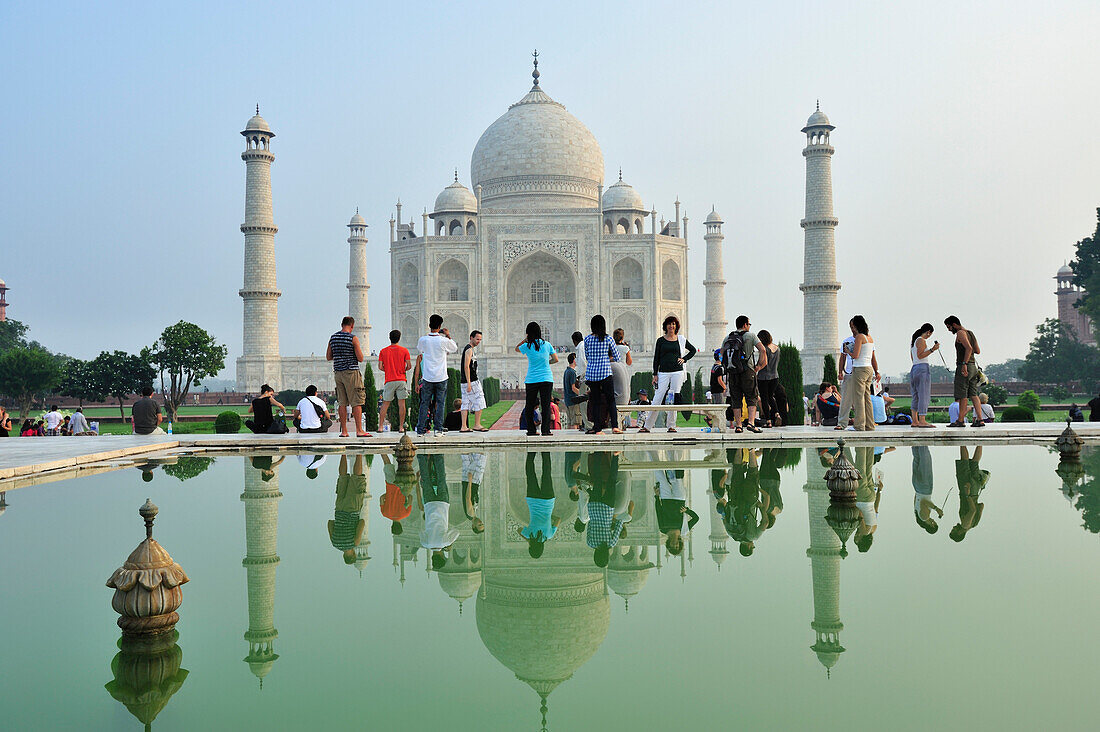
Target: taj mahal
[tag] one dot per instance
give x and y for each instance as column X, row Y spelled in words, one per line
column 536, row 237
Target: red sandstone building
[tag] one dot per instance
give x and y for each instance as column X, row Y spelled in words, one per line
column 1068, row 294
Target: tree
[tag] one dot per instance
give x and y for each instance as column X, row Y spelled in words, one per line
column 12, row 334
column 120, row 374
column 997, row 394
column 1005, row 371
column 941, row 374
column 790, row 376
column 1086, row 275
column 370, row 403
column 1029, row 400
column 686, row 395
column 188, row 466
column 80, row 382
column 829, row 369
column 699, row 390
column 26, row 372
column 1057, row 357
column 185, row 353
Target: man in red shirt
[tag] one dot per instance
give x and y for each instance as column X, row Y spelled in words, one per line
column 395, row 362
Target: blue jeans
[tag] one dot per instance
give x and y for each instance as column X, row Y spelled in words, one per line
column 431, row 391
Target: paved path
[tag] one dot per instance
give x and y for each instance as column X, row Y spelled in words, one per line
column 510, row 419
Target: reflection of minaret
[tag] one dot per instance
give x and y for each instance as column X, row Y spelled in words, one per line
column 261, row 519
column 718, row 535
column 824, row 554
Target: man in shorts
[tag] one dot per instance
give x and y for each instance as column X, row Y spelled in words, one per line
column 741, row 375
column 469, row 388
column 346, row 354
column 967, row 375
column 395, row 362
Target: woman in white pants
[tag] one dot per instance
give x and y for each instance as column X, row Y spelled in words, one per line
column 670, row 353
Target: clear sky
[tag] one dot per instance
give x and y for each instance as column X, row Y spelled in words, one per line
column 966, row 163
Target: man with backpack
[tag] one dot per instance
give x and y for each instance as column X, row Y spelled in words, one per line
column 743, row 356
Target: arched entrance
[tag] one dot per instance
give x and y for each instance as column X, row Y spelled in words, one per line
column 541, row 288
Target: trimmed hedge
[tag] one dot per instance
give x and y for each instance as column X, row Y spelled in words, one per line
column 227, row 423
column 1017, row 414
column 790, row 376
column 1028, row 400
column 491, row 387
column 370, row 402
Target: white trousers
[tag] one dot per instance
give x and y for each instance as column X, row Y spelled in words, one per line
column 668, row 383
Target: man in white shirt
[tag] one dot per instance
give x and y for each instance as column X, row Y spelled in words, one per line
column 78, row 425
column 438, row 535
column 311, row 463
column 311, row 413
column 430, row 374
column 53, row 419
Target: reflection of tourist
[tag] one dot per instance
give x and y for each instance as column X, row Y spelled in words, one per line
column 543, row 523
column 345, row 530
column 311, row 463
column 670, row 501
column 868, row 493
column 396, row 506
column 473, row 474
column 3, row 503
column 747, row 510
column 606, row 525
column 437, row 536
column 770, row 461
column 578, row 489
column 922, row 490
column 972, row 481
column 264, row 464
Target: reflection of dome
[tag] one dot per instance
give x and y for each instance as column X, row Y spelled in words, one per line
column 537, row 147
column 456, row 197
column 622, row 197
column 460, row 586
column 543, row 634
column 828, row 654
column 627, row 574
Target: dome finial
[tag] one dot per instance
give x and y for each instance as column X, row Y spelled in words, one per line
column 456, row 175
column 356, row 210
column 620, row 174
column 535, row 73
column 818, row 105
column 257, row 107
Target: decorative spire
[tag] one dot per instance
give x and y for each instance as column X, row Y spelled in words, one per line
column 543, row 709
column 535, row 73
column 456, row 175
column 620, row 174
column 818, row 106
column 257, row 108
column 356, row 210
column 149, row 513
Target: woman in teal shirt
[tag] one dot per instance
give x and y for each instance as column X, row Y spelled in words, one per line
column 540, row 505
column 539, row 381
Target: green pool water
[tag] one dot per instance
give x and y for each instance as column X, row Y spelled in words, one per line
column 279, row 631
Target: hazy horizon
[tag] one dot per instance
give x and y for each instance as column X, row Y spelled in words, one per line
column 965, row 165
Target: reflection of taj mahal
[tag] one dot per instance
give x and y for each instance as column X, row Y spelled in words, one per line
column 540, row 239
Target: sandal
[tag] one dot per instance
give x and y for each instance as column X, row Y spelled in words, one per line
column 957, row 424
column 616, row 431
column 465, row 430
column 642, row 430
column 738, row 430
column 753, row 428
column 482, row 429
column 671, row 429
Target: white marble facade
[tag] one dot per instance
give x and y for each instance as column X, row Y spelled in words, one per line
column 537, row 239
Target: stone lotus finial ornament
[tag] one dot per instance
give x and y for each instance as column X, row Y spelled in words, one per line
column 146, row 674
column 843, row 515
column 148, row 587
column 1069, row 443
column 405, row 449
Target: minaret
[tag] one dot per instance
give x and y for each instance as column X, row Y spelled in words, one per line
column 261, row 523
column 715, row 325
column 825, row 555
column 357, row 281
column 1068, row 295
column 259, row 361
column 3, row 301
column 819, row 284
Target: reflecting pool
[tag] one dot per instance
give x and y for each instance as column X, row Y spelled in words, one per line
column 506, row 590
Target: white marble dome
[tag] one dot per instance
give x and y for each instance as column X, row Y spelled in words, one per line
column 622, row 197
column 258, row 124
column 714, row 217
column 456, row 197
column 1064, row 271
column 818, row 119
column 538, row 150
column 357, row 220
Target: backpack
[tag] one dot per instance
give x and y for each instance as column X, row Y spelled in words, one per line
column 733, row 353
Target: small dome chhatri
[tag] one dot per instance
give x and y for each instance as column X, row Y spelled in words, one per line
column 713, row 217
column 622, row 197
column 456, row 197
column 357, row 220
column 818, row 119
column 1065, row 271
column 257, row 124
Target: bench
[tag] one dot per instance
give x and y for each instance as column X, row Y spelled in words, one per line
column 718, row 410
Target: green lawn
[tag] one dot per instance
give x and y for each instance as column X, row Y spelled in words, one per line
column 91, row 412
